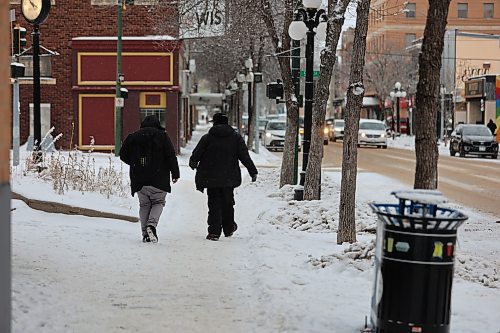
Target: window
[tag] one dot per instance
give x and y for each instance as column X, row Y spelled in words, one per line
column 409, row 38
column 160, row 113
column 411, row 9
column 488, row 10
column 463, row 10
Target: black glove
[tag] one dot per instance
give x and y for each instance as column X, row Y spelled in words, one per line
column 192, row 165
column 254, row 178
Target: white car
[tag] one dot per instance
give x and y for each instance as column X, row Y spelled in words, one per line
column 372, row 133
column 338, row 129
column 274, row 134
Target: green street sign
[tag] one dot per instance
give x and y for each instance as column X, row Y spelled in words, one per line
column 303, row 73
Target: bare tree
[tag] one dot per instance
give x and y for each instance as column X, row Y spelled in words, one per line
column 336, row 12
column 426, row 151
column 380, row 69
column 272, row 19
column 355, row 93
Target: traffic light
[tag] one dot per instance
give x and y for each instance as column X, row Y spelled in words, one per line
column 19, row 39
column 274, row 90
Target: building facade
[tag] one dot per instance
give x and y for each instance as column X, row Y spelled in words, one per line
column 79, row 71
column 396, row 28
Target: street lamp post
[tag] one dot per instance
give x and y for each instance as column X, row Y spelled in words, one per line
column 442, row 125
column 397, row 92
column 306, row 20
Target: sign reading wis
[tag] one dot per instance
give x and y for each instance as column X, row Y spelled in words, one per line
column 202, row 18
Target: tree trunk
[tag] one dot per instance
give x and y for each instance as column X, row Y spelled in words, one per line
column 426, row 150
column 355, row 93
column 287, row 169
column 312, row 182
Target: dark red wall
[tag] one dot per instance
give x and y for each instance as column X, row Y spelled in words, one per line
column 69, row 19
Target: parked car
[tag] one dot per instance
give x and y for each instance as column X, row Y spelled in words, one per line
column 372, row 133
column 338, row 129
column 262, row 127
column 474, row 140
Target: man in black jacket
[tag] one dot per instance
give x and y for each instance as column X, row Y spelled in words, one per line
column 215, row 159
column 152, row 159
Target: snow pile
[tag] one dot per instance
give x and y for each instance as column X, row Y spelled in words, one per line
column 359, row 255
column 478, row 270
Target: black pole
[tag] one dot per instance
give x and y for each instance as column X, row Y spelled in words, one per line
column 308, row 102
column 397, row 112
column 37, row 125
column 296, row 90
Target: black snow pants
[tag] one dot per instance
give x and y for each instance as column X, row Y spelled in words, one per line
column 220, row 210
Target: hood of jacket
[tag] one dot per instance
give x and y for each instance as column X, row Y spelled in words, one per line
column 221, row 130
column 151, row 121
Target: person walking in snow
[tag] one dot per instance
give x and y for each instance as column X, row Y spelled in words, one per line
column 151, row 156
column 492, row 126
column 215, row 159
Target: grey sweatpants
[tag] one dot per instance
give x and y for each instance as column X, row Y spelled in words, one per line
column 151, row 203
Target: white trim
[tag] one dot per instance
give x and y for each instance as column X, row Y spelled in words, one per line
column 420, row 262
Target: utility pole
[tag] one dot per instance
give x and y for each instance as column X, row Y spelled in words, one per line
column 119, row 77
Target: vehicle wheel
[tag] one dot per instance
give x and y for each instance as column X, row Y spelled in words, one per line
column 334, row 139
column 452, row 152
column 461, row 151
column 359, row 145
column 494, row 156
column 326, row 142
column 385, row 147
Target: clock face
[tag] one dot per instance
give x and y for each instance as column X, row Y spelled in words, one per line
column 35, row 11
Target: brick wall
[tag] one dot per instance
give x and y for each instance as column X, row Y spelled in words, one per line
column 69, row 19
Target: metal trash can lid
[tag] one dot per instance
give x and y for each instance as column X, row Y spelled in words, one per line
column 426, row 197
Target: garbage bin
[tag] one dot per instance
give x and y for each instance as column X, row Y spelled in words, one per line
column 414, row 262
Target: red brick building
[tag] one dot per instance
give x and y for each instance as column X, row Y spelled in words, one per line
column 77, row 94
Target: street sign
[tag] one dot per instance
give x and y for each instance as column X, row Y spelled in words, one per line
column 303, row 73
column 119, row 102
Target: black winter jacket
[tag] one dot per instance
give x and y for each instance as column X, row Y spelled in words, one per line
column 216, row 158
column 164, row 150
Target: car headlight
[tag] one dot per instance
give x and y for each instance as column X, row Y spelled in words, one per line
column 301, row 131
column 467, row 141
column 268, row 135
column 363, row 135
column 382, row 135
column 326, row 130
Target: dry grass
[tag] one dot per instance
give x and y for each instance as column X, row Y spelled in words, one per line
column 77, row 170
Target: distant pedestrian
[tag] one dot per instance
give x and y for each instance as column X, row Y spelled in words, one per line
column 152, row 159
column 492, row 126
column 216, row 160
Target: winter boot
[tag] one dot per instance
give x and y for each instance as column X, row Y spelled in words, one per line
column 145, row 239
column 213, row 237
column 151, row 230
column 235, row 227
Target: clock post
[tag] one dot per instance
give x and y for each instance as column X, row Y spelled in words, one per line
column 37, row 124
column 36, row 12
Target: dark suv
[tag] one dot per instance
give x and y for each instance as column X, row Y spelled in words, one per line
column 473, row 140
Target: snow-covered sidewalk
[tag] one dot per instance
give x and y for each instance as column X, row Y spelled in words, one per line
column 282, row 271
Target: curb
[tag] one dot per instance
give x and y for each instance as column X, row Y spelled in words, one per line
column 54, row 207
